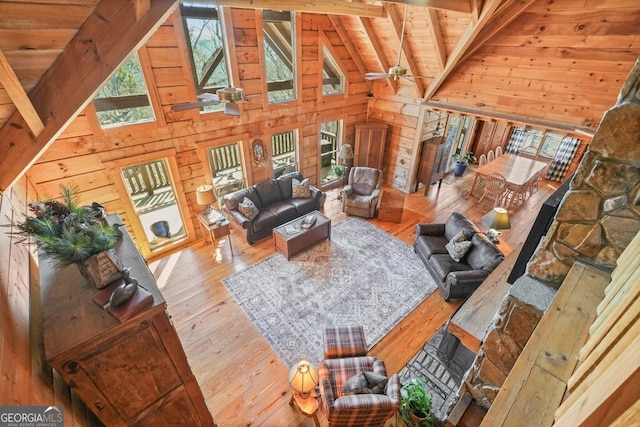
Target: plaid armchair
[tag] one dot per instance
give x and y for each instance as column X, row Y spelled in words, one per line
column 357, row 409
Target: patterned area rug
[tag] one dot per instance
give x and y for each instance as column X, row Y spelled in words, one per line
column 362, row 276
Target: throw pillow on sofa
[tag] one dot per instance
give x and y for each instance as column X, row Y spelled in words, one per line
column 458, row 246
column 248, row 208
column 365, row 383
column 300, row 189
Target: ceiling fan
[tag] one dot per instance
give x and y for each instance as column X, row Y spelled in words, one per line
column 397, row 71
column 229, row 96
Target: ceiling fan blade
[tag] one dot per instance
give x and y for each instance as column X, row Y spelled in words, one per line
column 375, row 76
column 194, row 105
column 232, row 108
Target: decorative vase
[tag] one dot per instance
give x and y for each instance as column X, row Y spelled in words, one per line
column 102, row 268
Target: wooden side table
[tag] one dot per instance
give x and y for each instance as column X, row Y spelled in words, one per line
column 308, row 406
column 215, row 230
column 391, row 205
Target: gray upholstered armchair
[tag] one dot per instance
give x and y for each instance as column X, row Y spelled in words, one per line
column 360, row 195
column 357, row 409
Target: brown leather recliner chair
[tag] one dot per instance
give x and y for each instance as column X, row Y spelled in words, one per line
column 360, row 195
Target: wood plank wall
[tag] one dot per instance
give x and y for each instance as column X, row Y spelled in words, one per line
column 83, row 154
column 26, row 379
column 603, row 389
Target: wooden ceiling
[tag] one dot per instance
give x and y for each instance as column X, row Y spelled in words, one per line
column 561, row 62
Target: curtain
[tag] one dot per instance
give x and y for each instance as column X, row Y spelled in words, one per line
column 560, row 164
column 518, row 137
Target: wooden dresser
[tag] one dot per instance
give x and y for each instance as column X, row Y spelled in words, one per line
column 433, row 162
column 131, row 373
column 369, row 144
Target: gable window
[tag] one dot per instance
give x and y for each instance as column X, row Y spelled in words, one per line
column 203, row 27
column 279, row 55
column 227, row 169
column 124, row 98
column 332, row 75
column 283, row 152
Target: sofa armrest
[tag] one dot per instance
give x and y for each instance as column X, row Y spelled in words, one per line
column 434, row 229
column 327, row 395
column 375, row 194
column 316, row 193
column 460, row 284
column 237, row 217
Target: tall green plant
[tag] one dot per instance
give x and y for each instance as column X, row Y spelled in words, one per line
column 65, row 232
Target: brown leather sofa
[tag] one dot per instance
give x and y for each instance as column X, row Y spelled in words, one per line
column 456, row 279
column 275, row 204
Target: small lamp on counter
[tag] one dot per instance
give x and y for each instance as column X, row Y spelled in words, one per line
column 205, row 196
column 496, row 219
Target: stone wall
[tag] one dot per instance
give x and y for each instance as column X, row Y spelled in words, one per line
column 596, row 220
column 600, row 214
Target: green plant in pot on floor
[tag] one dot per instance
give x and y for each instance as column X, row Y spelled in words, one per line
column 415, row 408
column 67, row 234
column 462, row 161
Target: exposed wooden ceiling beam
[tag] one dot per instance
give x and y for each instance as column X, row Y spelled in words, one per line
column 469, row 35
column 11, row 84
column 98, row 48
column 140, row 7
column 436, row 37
column 396, row 20
column 505, row 15
column 379, row 50
column 351, row 48
column 329, row 7
column 455, row 5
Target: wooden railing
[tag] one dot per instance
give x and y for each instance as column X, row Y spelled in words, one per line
column 146, row 177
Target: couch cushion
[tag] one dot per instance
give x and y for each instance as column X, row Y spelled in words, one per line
column 284, row 182
column 429, row 245
column 304, row 205
column 456, row 223
column 442, row 264
column 232, row 200
column 365, row 383
column 458, row 246
column 264, row 221
column 300, row 189
column 284, row 210
column 268, row 191
column 483, row 255
column 248, row 208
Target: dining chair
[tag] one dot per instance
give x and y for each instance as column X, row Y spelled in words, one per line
column 498, row 151
column 490, row 156
column 482, row 160
column 495, row 187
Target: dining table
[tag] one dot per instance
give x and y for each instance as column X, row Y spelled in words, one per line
column 519, row 172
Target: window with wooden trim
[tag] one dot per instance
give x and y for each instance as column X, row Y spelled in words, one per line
column 207, row 48
column 124, row 99
column 284, row 152
column 279, row 55
column 333, row 82
column 227, row 170
column 534, row 143
column 330, row 143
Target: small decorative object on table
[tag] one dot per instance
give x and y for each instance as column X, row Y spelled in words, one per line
column 292, row 229
column 308, row 221
column 124, row 291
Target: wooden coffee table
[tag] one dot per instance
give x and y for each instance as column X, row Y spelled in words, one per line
column 292, row 243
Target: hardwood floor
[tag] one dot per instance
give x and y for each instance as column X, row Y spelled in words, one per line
column 243, row 381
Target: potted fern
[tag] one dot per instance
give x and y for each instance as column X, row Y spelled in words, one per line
column 415, row 407
column 67, row 234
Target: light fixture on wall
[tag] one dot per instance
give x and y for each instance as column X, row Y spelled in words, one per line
column 496, row 219
column 205, row 196
column 303, row 378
